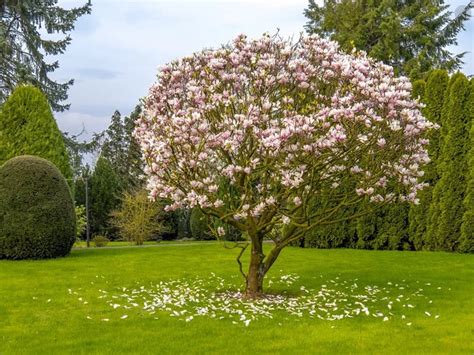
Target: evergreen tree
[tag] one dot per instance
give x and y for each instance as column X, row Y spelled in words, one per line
column 434, row 210
column 104, row 186
column 336, row 235
column 118, row 169
column 418, row 89
column 466, row 242
column 384, row 228
column 433, row 98
column 367, row 229
column 119, row 147
column 27, row 127
column 339, row 235
column 77, row 150
column 23, row 48
column 449, row 193
column 393, row 230
column 134, row 154
column 412, row 36
column 80, row 185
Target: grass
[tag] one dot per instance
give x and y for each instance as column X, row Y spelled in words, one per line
column 122, row 243
column 38, row 315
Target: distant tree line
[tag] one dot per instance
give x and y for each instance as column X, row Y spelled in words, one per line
column 413, row 37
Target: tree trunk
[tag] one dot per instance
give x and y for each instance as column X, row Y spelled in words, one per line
column 256, row 274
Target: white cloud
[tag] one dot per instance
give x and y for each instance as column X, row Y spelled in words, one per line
column 77, row 122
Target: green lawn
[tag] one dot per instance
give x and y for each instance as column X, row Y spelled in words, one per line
column 38, row 313
column 122, row 243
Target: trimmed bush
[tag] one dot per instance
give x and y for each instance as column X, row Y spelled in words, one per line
column 37, row 217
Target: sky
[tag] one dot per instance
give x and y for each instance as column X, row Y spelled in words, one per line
column 116, row 51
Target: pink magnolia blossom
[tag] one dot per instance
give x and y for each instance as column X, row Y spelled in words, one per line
column 256, row 131
column 221, row 231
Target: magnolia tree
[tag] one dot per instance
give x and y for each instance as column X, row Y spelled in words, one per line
column 261, row 133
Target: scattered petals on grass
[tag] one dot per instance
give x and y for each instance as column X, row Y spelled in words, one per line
column 217, row 298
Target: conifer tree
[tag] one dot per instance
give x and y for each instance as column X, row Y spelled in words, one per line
column 24, row 47
column 367, row 228
column 384, row 228
column 393, row 230
column 119, row 147
column 450, row 191
column 27, row 127
column 466, row 242
column 104, row 196
column 418, row 89
column 337, row 235
column 412, row 36
column 433, row 98
column 434, row 211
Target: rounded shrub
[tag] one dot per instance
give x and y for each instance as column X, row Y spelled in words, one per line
column 37, row 217
column 100, row 241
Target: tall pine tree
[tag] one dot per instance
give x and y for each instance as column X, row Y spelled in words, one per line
column 447, row 207
column 433, row 98
column 23, row 48
column 412, row 36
